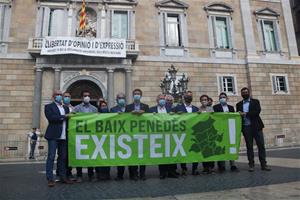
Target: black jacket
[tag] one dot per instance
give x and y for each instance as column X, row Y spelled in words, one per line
column 130, row 107
column 219, row 108
column 253, row 114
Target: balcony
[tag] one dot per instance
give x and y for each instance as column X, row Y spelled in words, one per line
column 35, row 47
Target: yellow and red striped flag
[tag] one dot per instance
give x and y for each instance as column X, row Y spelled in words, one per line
column 82, row 17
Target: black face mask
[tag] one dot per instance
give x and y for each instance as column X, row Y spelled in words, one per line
column 245, row 96
column 188, row 99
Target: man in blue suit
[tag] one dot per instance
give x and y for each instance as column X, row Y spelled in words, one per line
column 187, row 107
column 166, row 170
column 119, row 108
column 56, row 132
column 137, row 107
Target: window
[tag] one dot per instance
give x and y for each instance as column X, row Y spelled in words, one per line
column 173, row 36
column 280, row 84
column 5, row 13
column 220, row 30
column 221, row 33
column 269, row 36
column 120, row 24
column 268, row 30
column 173, row 30
column 227, row 84
column 51, row 22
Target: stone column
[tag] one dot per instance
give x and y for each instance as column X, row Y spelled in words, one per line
column 110, row 87
column 248, row 28
column 36, row 104
column 56, row 84
column 128, row 87
column 289, row 26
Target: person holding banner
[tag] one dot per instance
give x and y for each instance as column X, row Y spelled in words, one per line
column 104, row 172
column 119, row 108
column 56, row 114
column 206, row 107
column 85, row 107
column 166, row 170
column 224, row 107
column 187, row 107
column 137, row 107
column 250, row 109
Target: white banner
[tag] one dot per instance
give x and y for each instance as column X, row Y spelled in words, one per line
column 84, row 46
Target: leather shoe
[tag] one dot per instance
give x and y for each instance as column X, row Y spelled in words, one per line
column 251, row 169
column 67, row 181
column 266, row 168
column 195, row 172
column 51, row 183
column 134, row 178
column 143, row 177
column 184, row 172
column 172, row 175
column 234, row 169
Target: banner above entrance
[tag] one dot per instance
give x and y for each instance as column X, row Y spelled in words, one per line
column 84, row 46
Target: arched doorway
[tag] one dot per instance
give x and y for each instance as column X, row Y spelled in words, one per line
column 77, row 87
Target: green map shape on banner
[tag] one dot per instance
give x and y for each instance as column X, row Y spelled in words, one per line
column 126, row 139
column 206, row 138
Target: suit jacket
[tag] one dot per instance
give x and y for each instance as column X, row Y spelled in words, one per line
column 181, row 108
column 130, row 107
column 116, row 109
column 154, row 109
column 55, row 121
column 219, row 108
column 253, row 114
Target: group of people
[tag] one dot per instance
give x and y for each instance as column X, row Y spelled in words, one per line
column 57, row 115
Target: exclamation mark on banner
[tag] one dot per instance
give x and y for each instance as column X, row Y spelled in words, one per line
column 232, row 135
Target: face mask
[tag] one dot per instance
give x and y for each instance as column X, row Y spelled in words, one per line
column 86, row 99
column 58, row 98
column 121, row 102
column 204, row 103
column 188, row 99
column 162, row 102
column 223, row 101
column 245, row 96
column 137, row 98
column 67, row 100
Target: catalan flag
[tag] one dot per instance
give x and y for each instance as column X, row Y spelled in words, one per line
column 82, row 17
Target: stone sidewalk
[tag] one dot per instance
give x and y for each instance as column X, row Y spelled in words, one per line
column 23, row 180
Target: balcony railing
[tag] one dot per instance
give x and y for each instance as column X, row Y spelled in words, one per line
column 35, row 46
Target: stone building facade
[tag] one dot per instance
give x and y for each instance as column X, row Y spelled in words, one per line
column 221, row 45
column 295, row 5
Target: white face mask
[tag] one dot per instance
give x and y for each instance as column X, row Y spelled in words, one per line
column 86, row 99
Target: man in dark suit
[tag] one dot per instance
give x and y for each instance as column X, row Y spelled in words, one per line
column 224, row 107
column 166, row 170
column 119, row 108
column 250, row 109
column 187, row 107
column 137, row 108
column 56, row 136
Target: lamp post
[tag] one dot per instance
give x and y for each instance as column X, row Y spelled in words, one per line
column 173, row 86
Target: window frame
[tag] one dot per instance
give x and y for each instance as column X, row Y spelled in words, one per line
column 275, row 87
column 6, row 22
column 220, row 78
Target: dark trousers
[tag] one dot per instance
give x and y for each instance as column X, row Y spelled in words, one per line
column 133, row 171
column 90, row 171
column 103, row 172
column 194, row 166
column 208, row 165
column 61, row 147
column 167, row 169
column 120, row 171
column 32, row 148
column 250, row 134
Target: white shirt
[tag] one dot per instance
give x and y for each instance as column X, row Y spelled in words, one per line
column 188, row 108
column 161, row 109
column 62, row 112
column 225, row 108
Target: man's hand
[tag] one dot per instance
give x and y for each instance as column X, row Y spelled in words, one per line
column 243, row 114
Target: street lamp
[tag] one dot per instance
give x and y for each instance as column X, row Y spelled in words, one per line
column 170, row 84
